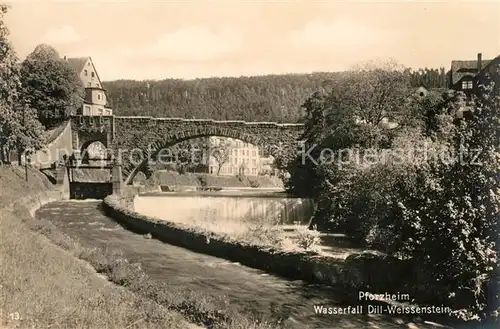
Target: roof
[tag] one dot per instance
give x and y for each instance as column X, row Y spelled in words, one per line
column 77, row 63
column 461, row 69
column 494, row 61
column 97, row 88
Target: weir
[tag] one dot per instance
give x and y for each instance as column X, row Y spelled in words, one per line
column 224, row 209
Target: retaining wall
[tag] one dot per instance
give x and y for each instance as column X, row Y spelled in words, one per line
column 53, row 152
column 361, row 271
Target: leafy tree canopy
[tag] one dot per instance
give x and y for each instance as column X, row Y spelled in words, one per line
column 51, row 86
column 19, row 128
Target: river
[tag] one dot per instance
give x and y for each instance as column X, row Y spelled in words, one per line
column 246, row 290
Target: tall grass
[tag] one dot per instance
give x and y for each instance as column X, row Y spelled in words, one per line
column 43, row 284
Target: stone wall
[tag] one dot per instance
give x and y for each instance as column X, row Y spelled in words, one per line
column 364, row 271
column 143, row 137
column 55, row 150
column 152, row 135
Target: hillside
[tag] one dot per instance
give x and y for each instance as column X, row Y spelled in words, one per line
column 262, row 98
column 259, row 98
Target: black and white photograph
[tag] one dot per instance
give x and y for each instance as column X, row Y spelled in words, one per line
column 231, row 164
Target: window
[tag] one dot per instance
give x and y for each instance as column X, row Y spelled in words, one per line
column 467, row 84
column 254, row 162
column 92, row 74
column 98, row 96
column 99, row 111
column 86, row 73
column 254, row 171
column 87, row 110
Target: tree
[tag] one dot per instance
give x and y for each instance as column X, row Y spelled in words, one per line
column 19, row 128
column 454, row 209
column 52, row 87
column 375, row 92
column 221, row 151
column 350, row 116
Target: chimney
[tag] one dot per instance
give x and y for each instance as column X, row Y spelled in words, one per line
column 479, row 62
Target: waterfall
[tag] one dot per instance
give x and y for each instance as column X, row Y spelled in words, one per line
column 226, row 209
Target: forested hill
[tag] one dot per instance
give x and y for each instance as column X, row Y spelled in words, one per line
column 259, row 98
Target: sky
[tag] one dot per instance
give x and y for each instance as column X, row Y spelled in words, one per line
column 145, row 39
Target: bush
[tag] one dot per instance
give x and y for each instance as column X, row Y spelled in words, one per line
column 440, row 215
column 254, row 183
column 203, row 180
column 306, row 238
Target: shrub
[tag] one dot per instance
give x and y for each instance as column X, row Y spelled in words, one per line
column 203, row 180
column 442, row 215
column 306, row 238
column 241, row 177
column 254, row 182
column 265, row 234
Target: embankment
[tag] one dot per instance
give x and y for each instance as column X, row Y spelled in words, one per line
column 43, row 284
column 354, row 273
column 366, row 271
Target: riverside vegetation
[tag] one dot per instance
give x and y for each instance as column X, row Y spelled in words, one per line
column 440, row 211
column 441, row 216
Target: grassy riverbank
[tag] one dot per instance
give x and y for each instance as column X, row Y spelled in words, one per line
column 42, row 285
column 44, row 282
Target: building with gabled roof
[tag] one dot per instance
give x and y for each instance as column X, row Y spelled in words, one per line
column 463, row 74
column 468, row 76
column 491, row 73
column 95, row 100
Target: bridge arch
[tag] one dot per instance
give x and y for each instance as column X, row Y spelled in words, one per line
column 93, row 149
column 131, row 167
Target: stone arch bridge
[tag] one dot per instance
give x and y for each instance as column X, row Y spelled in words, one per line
column 134, row 141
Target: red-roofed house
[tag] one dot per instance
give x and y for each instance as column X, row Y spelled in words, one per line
column 95, row 101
